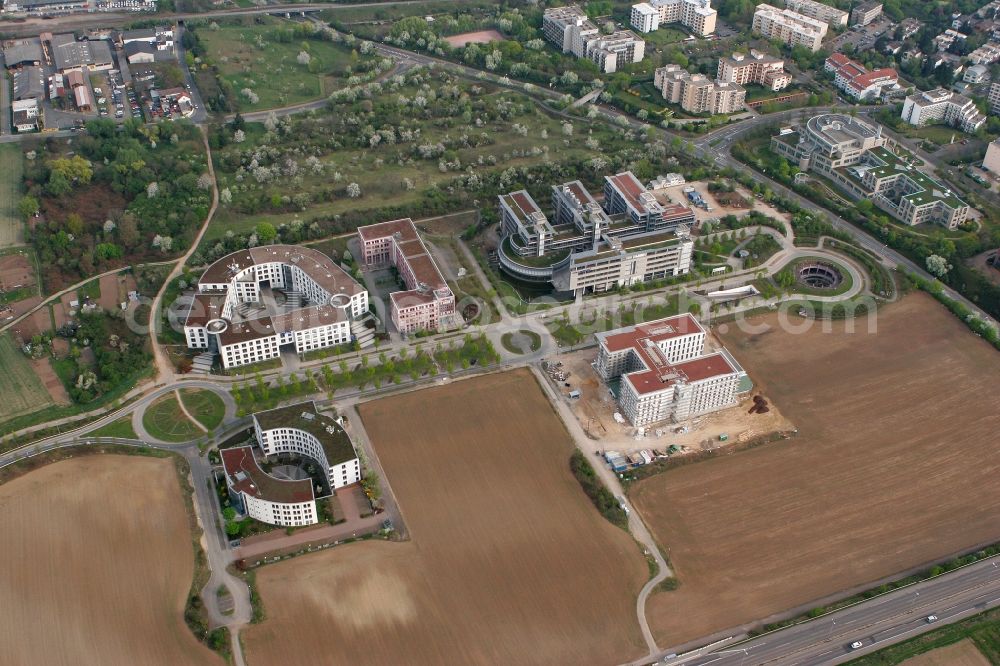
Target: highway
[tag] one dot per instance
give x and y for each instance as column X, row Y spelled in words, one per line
column 876, row 623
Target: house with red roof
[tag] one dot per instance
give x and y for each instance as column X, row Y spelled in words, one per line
column 856, row 81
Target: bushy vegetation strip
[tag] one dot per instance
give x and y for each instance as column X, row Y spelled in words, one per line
column 606, row 504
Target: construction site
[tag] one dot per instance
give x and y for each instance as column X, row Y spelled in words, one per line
column 595, row 407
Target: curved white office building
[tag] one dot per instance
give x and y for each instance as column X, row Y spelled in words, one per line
column 251, row 303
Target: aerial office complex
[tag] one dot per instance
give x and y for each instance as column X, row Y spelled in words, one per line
column 299, row 430
column 941, row 104
column 427, row 303
column 696, row 93
column 234, row 313
column 856, row 81
column 817, row 10
column 789, row 27
column 664, row 372
column 569, row 28
column 859, row 159
column 697, row 15
column 635, row 236
column 756, row 68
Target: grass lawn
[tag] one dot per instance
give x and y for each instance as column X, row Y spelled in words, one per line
column 272, row 71
column 11, row 228
column 983, row 629
column 165, row 420
column 120, row 428
column 939, row 134
column 205, row 406
column 90, row 290
column 21, row 392
column 664, row 37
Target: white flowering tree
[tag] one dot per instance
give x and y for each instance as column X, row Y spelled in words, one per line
column 239, row 136
column 205, row 181
column 937, row 265
column 303, row 58
column 226, row 196
column 353, row 190
column 152, row 189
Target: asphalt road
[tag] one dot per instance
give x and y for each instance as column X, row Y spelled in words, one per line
column 877, row 623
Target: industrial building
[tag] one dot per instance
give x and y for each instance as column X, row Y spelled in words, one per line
column 943, row 105
column 756, row 68
column 235, row 315
column 427, row 303
column 856, row 81
column 696, row 93
column 663, row 372
column 864, row 163
column 569, row 28
column 299, row 430
column 589, row 247
column 817, row 10
column 696, row 15
column 789, row 27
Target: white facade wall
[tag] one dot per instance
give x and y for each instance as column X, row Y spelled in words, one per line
column 318, row 337
column 275, row 513
column 250, row 351
column 293, row 440
column 197, row 337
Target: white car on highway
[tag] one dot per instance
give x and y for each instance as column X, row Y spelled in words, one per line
column 856, row 644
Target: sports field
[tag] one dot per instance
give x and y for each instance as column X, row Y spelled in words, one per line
column 11, row 227
column 894, row 467
column 89, row 575
column 509, row 563
column 21, row 391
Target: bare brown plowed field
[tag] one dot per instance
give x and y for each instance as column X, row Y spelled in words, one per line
column 97, row 564
column 894, row 466
column 508, row 564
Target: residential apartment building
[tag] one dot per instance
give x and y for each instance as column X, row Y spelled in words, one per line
column 589, row 247
column 427, row 303
column 757, row 68
column 696, row 15
column 817, row 10
column 992, row 160
column 612, row 52
column 696, row 93
column 976, row 74
column 789, row 27
column 858, row 158
column 987, row 54
column 233, row 314
column 296, row 429
column 943, row 105
column 856, row 81
column 993, row 98
column 569, row 28
column 665, row 373
column 866, row 12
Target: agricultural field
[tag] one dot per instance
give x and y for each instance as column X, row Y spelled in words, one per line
column 11, row 226
column 409, row 142
column 97, row 586
column 262, row 55
column 895, row 441
column 962, row 653
column 21, row 391
column 504, row 543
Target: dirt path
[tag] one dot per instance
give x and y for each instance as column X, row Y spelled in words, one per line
column 164, row 370
column 191, row 418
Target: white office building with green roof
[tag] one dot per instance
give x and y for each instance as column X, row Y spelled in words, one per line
column 859, row 159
